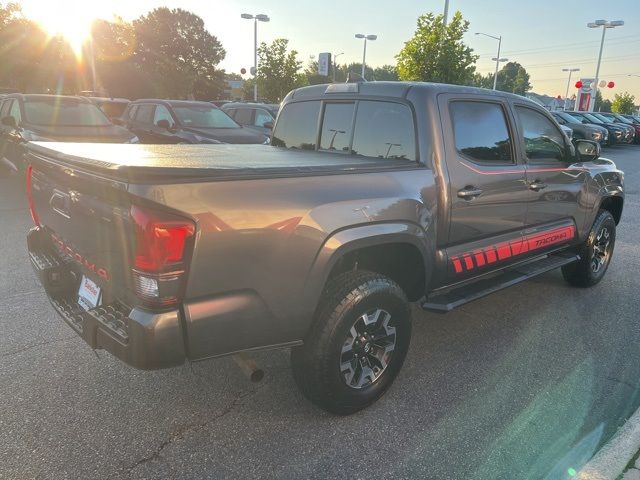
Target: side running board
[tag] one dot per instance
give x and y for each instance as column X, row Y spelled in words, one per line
column 453, row 298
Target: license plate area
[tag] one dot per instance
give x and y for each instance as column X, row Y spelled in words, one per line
column 89, row 294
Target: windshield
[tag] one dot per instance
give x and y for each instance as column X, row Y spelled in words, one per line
column 568, row 118
column 203, row 116
column 591, row 118
column 601, row 117
column 65, row 112
column 623, row 119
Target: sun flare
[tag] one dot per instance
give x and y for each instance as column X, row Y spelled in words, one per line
column 74, row 27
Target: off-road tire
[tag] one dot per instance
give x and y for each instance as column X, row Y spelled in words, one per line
column 582, row 273
column 317, row 364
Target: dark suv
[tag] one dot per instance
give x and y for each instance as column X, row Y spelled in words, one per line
column 52, row 118
column 616, row 132
column 181, row 121
column 582, row 130
column 256, row 116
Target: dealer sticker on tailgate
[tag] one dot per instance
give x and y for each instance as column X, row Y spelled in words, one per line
column 88, row 294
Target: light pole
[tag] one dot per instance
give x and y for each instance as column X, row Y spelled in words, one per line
column 256, row 18
column 446, row 12
column 566, row 95
column 604, row 24
column 497, row 58
column 364, row 52
column 333, row 60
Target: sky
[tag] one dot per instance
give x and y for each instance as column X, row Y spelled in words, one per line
column 543, row 35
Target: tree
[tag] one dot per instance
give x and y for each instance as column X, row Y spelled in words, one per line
column 179, row 53
column 600, row 104
column 386, row 73
column 513, row 78
column 437, row 53
column 623, row 103
column 118, row 73
column 278, row 70
column 312, row 76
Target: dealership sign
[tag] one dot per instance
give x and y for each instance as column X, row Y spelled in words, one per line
column 324, row 63
column 586, row 94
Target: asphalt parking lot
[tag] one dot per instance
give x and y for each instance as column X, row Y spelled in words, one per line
column 526, row 383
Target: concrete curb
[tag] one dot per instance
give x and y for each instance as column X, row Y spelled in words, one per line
column 611, row 460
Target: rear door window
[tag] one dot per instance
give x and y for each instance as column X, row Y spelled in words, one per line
column 337, row 126
column 244, row 116
column 262, row 117
column 162, row 113
column 129, row 114
column 144, row 114
column 297, row 126
column 481, row 131
column 384, row 130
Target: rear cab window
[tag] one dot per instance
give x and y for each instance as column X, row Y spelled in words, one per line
column 297, row 126
column 481, row 131
column 364, row 128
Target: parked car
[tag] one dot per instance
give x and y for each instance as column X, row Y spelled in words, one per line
column 624, row 120
column 372, row 196
column 567, row 131
column 113, row 108
column 182, row 121
column 616, row 132
column 629, row 131
column 52, row 118
column 582, row 130
column 256, row 116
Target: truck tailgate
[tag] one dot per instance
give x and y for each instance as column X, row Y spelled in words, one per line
column 86, row 219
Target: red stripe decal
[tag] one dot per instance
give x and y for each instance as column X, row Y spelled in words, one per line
column 457, row 265
column 506, row 250
column 516, row 247
column 468, row 262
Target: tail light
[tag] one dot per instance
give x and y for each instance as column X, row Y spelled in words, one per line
column 162, row 244
column 29, row 188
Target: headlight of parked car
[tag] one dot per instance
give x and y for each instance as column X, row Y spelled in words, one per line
column 267, row 141
column 597, row 136
column 133, row 139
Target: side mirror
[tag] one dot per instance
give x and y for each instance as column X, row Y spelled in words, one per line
column 9, row 121
column 164, row 123
column 588, row 151
column 268, row 125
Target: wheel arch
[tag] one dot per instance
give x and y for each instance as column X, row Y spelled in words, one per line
column 613, row 204
column 403, row 251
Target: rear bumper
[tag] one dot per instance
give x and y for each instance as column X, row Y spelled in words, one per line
column 142, row 339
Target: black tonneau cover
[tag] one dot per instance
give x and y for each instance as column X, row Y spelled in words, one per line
column 136, row 163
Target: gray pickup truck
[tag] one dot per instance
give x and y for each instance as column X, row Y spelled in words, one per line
column 371, row 196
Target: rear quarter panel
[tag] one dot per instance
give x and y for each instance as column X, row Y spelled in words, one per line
column 267, row 239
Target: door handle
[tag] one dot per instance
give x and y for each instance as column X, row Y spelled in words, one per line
column 537, row 186
column 469, row 193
